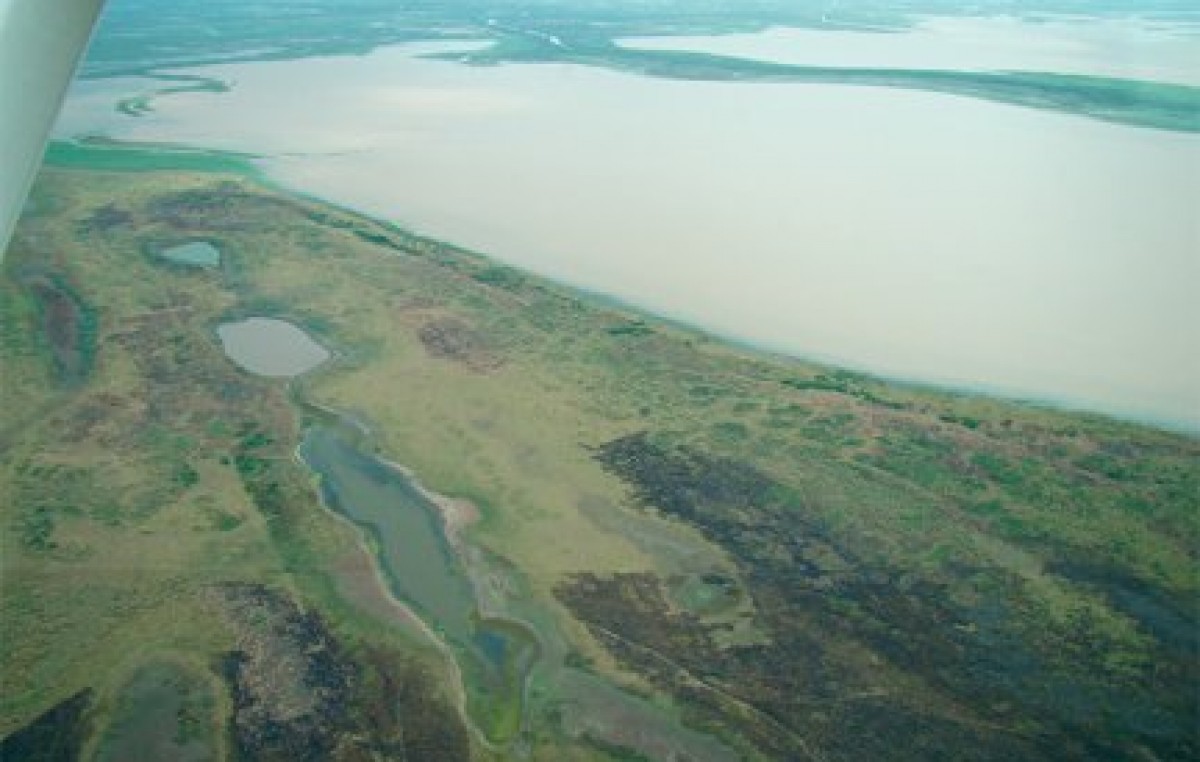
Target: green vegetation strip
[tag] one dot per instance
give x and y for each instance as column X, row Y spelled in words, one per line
column 110, row 156
column 1134, row 102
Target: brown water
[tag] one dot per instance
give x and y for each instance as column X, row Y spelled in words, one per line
column 914, row 234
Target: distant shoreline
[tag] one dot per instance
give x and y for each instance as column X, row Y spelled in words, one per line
column 136, row 157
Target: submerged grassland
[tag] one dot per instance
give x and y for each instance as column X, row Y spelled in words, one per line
column 722, row 553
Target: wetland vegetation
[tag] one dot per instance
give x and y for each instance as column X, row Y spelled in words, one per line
column 408, row 534
column 281, row 481
column 719, row 553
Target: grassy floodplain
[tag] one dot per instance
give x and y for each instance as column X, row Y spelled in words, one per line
column 722, row 552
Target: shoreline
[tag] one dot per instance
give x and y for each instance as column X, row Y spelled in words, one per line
column 130, row 156
column 454, row 517
column 657, row 504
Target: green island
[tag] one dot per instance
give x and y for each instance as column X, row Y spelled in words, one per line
column 507, row 520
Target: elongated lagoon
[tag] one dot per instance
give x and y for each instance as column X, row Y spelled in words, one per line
column 913, row 234
column 409, row 542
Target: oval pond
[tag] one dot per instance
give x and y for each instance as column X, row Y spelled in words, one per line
column 271, row 347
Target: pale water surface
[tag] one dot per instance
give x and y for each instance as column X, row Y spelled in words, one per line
column 270, row 347
column 1130, row 48
column 193, row 254
column 913, row 234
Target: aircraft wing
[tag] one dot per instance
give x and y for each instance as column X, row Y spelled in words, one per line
column 41, row 43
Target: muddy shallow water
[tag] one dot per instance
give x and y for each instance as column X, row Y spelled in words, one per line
column 912, row 234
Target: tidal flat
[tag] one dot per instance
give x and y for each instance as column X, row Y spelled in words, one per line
column 755, row 556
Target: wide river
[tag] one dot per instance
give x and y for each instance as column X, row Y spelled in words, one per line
column 912, row 234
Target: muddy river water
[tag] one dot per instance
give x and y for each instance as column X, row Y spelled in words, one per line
column 913, row 234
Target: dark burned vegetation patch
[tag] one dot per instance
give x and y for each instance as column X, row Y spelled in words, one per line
column 300, row 694
column 989, row 679
column 1176, row 628
column 401, row 700
column 105, row 218
column 454, row 339
column 67, row 324
column 365, row 230
column 225, row 206
column 172, row 353
column 57, row 735
column 291, row 683
column 789, row 699
column 688, row 483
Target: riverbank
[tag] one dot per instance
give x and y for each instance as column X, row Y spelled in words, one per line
column 977, row 270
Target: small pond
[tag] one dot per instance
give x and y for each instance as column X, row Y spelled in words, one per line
column 270, row 347
column 194, row 254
